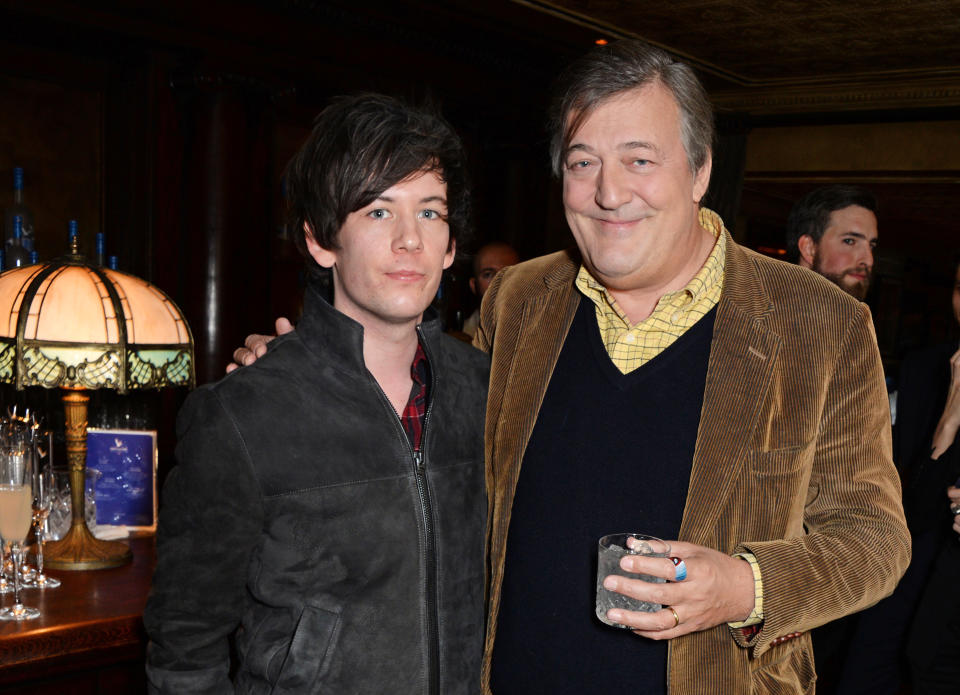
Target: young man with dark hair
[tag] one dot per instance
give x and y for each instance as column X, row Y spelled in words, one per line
column 833, row 232
column 323, row 530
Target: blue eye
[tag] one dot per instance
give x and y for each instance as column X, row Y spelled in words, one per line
column 377, row 214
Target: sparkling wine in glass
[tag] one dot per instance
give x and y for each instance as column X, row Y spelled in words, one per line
column 16, row 506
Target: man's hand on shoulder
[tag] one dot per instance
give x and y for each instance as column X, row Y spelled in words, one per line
column 255, row 346
column 718, row 589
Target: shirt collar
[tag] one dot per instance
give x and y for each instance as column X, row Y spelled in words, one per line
column 418, row 368
column 709, row 275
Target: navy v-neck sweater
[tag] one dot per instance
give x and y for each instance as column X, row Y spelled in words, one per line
column 610, row 452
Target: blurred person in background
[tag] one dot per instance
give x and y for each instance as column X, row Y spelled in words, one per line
column 833, row 231
column 933, row 649
column 927, row 455
column 489, row 260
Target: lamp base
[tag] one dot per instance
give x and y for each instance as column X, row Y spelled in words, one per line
column 79, row 550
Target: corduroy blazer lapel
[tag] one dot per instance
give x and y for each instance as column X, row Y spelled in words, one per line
column 530, row 331
column 545, row 321
column 742, row 355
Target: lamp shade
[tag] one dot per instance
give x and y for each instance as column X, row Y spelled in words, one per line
column 71, row 324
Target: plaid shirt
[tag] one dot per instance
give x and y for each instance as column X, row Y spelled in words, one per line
column 631, row 346
column 415, row 412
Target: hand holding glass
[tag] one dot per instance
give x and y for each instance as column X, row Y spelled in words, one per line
column 611, row 549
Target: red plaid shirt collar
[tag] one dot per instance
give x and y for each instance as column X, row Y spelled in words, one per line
column 415, row 412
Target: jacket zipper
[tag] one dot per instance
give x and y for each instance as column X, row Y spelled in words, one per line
column 433, row 637
column 429, row 534
column 426, row 508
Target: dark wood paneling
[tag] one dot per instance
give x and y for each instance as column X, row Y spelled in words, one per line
column 53, row 130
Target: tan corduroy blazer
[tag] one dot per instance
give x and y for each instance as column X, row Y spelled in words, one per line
column 792, row 460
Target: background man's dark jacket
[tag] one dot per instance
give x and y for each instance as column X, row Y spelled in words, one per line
column 924, row 380
column 934, row 640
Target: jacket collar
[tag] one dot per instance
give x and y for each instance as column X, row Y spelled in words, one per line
column 741, row 282
column 326, row 331
column 563, row 272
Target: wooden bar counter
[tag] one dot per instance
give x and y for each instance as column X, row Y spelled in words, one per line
column 89, row 638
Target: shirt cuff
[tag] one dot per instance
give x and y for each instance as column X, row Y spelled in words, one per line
column 756, row 615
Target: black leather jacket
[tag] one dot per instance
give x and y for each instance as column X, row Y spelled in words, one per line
column 302, row 547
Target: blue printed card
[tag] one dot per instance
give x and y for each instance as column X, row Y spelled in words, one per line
column 126, row 492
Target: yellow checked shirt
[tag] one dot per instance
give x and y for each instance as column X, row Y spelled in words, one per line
column 630, row 347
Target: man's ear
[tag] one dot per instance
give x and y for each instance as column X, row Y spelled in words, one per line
column 473, row 285
column 324, row 257
column 701, row 180
column 450, row 254
column 808, row 249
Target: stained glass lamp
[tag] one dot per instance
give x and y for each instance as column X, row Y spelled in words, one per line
column 71, row 325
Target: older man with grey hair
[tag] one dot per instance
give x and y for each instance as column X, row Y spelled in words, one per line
column 660, row 378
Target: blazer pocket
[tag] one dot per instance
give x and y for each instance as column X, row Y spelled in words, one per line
column 313, row 641
column 777, row 462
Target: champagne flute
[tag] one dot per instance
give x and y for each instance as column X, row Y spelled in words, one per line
column 16, row 501
column 5, row 586
column 43, row 494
